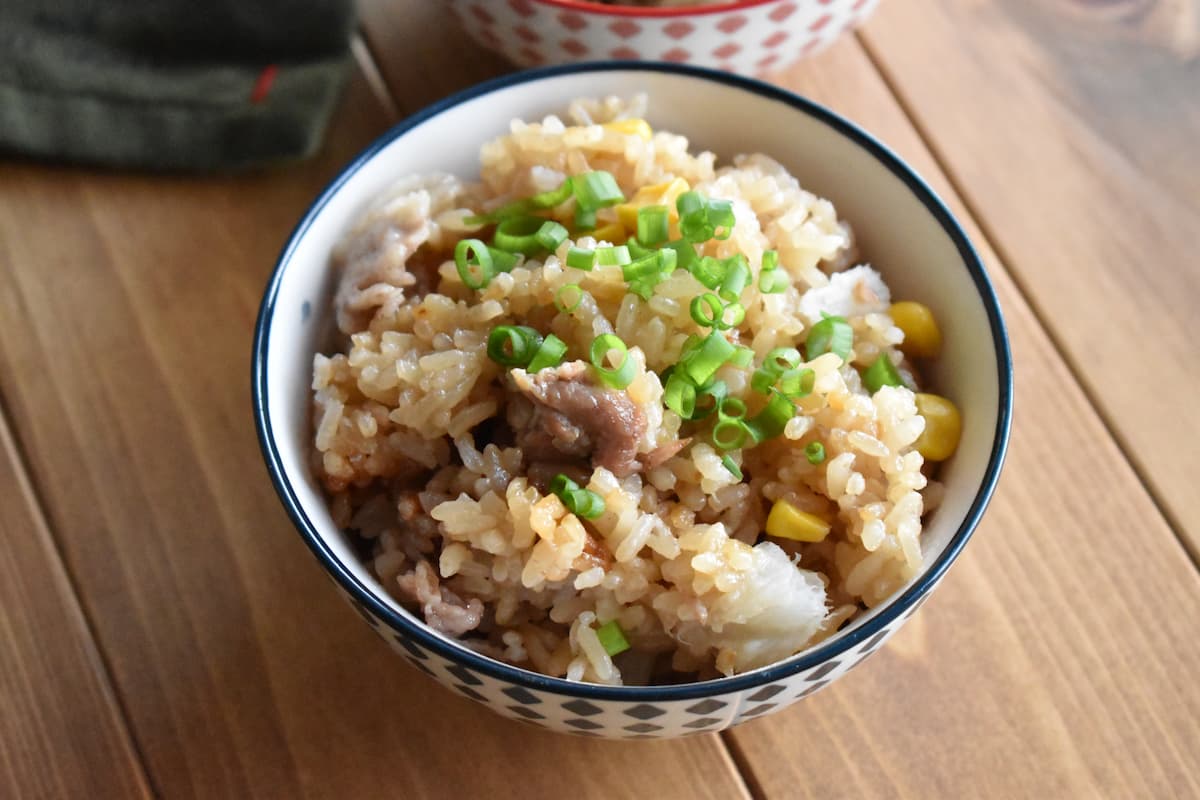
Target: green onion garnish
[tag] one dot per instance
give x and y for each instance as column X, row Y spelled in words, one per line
column 612, row 638
column 652, row 225
column 773, row 282
column 728, row 463
column 763, row 379
column 737, row 275
column 613, row 256
column 568, row 298
column 679, row 395
column 701, row 364
column 731, row 434
column 550, row 354
column 782, row 358
column 645, row 267
column 502, row 260
column 551, row 235
column 709, row 271
column 474, row 263
column 720, row 216
column 732, row 315
column 553, row 197
column 617, row 377
column 796, row 383
column 580, row 502
column 742, row 356
column 685, row 253
column 706, row 310
column 528, row 235
column 881, row 373
column 770, row 422
column 689, row 203
column 709, row 398
column 581, row 258
column 595, row 190
column 770, row 260
column 585, row 219
column 513, row 345
column 731, row 408
column 815, row 453
column 830, row 335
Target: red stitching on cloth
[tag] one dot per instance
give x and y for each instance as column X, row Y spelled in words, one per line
column 263, row 83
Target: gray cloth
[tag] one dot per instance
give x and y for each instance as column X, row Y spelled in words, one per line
column 170, row 84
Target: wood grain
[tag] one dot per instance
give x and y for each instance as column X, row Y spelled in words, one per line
column 127, row 307
column 1044, row 653
column 61, row 733
column 1074, row 139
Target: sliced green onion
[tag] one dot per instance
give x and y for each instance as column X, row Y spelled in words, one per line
column 773, row 281
column 568, row 298
column 502, row 260
column 560, row 484
column 552, row 197
column 679, row 395
column 720, row 216
column 815, row 453
column 513, row 345
column 474, row 263
column 685, row 254
column 796, row 383
column 737, row 275
column 617, row 377
column 706, row 310
column 763, row 379
column 585, row 219
column 550, row 354
column 689, row 203
column 830, row 335
column 580, row 502
column 644, row 267
column 732, row 315
column 770, row 260
column 709, row 271
column 731, row 434
column 728, row 463
column 581, row 258
column 782, row 358
column 610, row 256
column 595, row 190
column 551, row 235
column 742, row 357
column 731, row 408
column 612, row 638
column 770, row 422
column 881, row 373
column 518, row 235
column 696, row 228
column 713, row 351
column 709, row 398
column 668, row 260
column 652, row 225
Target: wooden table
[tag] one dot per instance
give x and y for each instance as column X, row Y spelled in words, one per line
column 162, row 631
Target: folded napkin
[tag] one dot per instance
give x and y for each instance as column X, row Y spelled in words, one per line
column 170, row 84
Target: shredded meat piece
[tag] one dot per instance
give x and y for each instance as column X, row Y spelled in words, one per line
column 568, row 416
column 375, row 259
column 663, row 453
column 444, row 611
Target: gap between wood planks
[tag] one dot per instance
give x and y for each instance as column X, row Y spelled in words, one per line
column 44, row 529
column 1004, row 256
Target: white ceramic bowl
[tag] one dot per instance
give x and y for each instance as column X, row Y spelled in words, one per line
column 903, row 228
column 749, row 37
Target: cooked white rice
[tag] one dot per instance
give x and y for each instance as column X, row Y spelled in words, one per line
column 410, row 441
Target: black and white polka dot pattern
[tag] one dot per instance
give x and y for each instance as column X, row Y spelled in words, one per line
column 625, row 719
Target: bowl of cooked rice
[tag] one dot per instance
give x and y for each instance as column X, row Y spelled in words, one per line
column 749, row 37
column 631, row 400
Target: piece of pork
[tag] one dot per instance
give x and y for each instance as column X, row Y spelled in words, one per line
column 567, row 416
column 444, row 611
column 374, row 259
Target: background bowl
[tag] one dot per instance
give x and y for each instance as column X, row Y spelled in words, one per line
column 748, row 37
column 899, row 222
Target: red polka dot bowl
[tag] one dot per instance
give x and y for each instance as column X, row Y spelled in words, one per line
column 749, row 37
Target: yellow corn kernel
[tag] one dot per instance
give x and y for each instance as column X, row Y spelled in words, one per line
column 633, row 127
column 788, row 522
column 609, row 232
column 922, row 338
column 943, row 427
column 660, row 194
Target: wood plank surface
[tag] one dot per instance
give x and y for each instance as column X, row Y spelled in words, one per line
column 1045, row 666
column 61, row 733
column 1073, row 132
column 128, row 303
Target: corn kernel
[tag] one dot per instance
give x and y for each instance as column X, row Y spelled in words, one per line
column 943, row 427
column 660, row 194
column 922, row 338
column 610, row 232
column 631, row 127
column 788, row 522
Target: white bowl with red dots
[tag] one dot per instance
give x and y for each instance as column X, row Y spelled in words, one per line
column 750, row 37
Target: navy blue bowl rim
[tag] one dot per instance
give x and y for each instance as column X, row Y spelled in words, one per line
column 505, row 672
